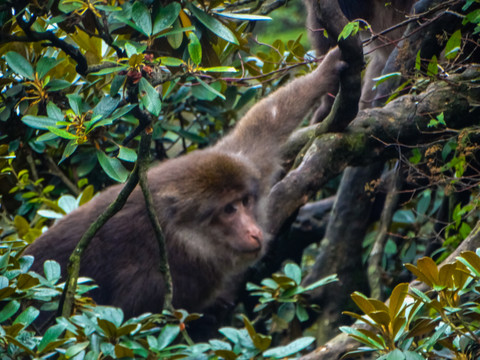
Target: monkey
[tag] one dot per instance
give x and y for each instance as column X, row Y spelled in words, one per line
column 209, row 203
column 380, row 15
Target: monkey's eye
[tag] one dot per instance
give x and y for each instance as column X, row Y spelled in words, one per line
column 247, row 200
column 229, row 209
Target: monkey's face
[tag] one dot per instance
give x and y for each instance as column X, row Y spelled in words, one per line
column 238, row 227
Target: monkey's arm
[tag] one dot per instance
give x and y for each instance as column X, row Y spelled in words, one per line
column 267, row 125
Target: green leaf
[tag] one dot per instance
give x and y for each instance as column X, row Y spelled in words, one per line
column 211, row 89
column 301, row 313
column 39, row 122
column 62, row 133
column 216, row 69
column 110, row 70
column 247, row 17
column 322, row 282
column 57, row 85
column 52, row 334
column 86, row 195
column 20, row 65
column 117, row 83
column 76, row 349
column 52, row 270
column 9, row 310
column 171, row 61
column 149, row 97
column 349, row 30
column 141, row 16
column 383, row 78
column 54, row 112
column 194, row 48
column 69, row 150
column 432, row 69
column 112, row 167
column 175, row 37
column 290, row 349
column 396, row 355
column 294, row 272
column 127, row 154
column 27, row 316
column 453, row 45
column 213, row 25
column 106, row 106
column 168, row 334
column 75, row 102
column 166, row 16
column 45, row 64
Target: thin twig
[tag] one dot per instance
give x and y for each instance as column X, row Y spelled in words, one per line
column 68, row 296
column 144, row 155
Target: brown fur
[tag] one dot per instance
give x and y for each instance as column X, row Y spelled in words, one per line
column 194, row 196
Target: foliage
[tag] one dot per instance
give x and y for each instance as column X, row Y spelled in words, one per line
column 80, row 80
column 441, row 323
column 283, row 298
column 97, row 332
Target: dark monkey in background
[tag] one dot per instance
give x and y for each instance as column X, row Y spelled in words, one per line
column 209, row 204
column 381, row 15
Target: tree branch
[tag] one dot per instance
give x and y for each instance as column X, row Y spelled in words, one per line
column 143, row 162
column 331, row 153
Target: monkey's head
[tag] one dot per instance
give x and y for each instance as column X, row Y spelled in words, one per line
column 213, row 204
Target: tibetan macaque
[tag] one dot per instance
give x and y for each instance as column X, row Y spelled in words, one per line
column 381, row 15
column 209, row 206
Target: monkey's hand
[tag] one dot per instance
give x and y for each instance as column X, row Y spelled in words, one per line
column 331, row 67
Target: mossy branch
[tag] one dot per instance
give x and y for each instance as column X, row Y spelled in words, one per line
column 143, row 161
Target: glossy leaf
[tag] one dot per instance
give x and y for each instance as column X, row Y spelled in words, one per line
column 27, row 316
column 213, row 25
column 290, row 349
column 294, row 272
column 45, row 64
column 194, row 48
column 453, row 46
column 397, row 299
column 9, row 310
column 51, row 335
column 62, row 133
column 20, row 65
column 166, row 16
column 52, row 270
column 246, row 17
column 168, row 334
column 149, row 97
column 39, row 122
column 141, row 16
column 112, row 167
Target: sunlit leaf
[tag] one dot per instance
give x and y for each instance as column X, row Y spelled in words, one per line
column 194, row 48
column 247, row 17
column 171, row 61
column 62, row 133
column 453, row 45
